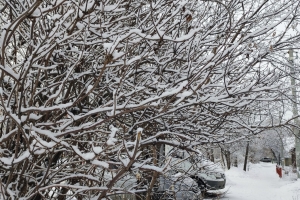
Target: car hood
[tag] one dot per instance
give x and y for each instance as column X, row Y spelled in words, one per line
column 182, row 183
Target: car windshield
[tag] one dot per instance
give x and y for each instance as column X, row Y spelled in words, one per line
column 182, row 165
column 189, row 165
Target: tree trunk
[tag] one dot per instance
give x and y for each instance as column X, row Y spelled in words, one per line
column 274, row 154
column 246, row 157
column 212, row 157
column 235, row 162
column 222, row 157
column 293, row 158
column 155, row 174
column 228, row 161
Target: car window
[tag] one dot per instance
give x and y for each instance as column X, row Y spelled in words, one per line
column 182, row 165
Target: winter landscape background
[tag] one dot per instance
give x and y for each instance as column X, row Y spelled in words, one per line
column 96, row 92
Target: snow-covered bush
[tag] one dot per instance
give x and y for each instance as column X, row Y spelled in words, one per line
column 78, row 79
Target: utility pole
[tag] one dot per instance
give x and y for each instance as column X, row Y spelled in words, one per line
column 246, row 156
column 281, row 156
column 295, row 110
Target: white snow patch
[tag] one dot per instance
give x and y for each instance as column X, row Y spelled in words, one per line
column 89, row 88
column 111, row 140
column 97, row 149
column 85, row 156
column 100, row 163
column 260, row 182
column 139, row 130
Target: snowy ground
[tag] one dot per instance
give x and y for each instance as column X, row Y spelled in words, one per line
column 260, row 183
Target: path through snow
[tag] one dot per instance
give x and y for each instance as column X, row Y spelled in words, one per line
column 260, row 183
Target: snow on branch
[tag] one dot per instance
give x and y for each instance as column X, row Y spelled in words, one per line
column 91, row 92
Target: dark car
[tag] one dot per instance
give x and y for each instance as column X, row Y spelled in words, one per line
column 177, row 186
column 266, row 160
column 207, row 174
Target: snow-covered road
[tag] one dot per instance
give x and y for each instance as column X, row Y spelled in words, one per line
column 260, row 183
